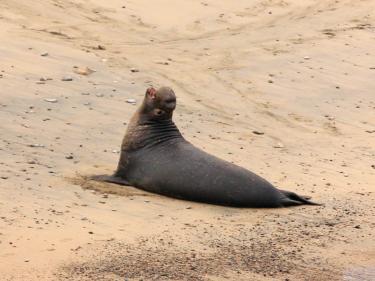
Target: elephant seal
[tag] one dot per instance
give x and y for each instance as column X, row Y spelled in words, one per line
column 155, row 157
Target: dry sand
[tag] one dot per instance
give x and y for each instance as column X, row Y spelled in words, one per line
column 302, row 72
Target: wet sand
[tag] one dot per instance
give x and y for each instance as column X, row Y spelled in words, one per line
column 300, row 72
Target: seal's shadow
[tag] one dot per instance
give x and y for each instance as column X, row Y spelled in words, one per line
column 85, row 182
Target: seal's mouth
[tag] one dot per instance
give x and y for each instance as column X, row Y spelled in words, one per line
column 170, row 104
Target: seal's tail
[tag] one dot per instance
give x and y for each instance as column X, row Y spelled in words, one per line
column 293, row 199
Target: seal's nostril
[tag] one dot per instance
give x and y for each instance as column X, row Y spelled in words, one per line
column 158, row 112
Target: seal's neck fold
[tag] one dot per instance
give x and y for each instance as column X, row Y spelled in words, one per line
column 147, row 133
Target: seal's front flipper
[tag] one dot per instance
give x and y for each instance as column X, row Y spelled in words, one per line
column 111, row 179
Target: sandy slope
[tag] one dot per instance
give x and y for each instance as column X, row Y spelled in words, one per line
column 302, row 72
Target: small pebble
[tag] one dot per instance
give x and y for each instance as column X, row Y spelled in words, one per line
column 162, row 62
column 258, row 132
column 36, row 145
column 45, row 54
column 69, row 157
column 134, row 70
column 131, row 101
column 84, row 71
column 67, row 78
column 278, row 145
column 51, row 100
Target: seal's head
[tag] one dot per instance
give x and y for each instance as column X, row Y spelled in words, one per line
column 159, row 104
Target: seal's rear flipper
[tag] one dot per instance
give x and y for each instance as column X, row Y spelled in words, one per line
column 293, row 199
column 111, row 179
column 292, row 194
column 286, row 202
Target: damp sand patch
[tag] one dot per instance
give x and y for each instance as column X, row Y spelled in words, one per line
column 86, row 182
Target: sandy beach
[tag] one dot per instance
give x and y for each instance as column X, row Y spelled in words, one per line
column 300, row 74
